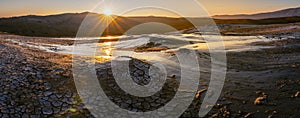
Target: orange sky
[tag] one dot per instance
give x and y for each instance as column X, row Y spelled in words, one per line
column 214, row 7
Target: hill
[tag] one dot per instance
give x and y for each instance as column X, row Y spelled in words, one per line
column 66, row 25
column 291, row 12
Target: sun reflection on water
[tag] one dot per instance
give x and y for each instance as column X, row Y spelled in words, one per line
column 107, row 49
column 104, row 53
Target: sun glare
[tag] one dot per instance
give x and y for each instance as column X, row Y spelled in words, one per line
column 107, row 12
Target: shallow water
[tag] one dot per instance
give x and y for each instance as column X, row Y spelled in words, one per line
column 126, row 45
column 173, row 42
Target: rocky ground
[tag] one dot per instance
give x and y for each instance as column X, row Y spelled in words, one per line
column 261, row 83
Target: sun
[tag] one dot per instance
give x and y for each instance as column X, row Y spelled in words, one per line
column 107, row 12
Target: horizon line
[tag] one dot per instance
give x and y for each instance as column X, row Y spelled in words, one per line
column 211, row 16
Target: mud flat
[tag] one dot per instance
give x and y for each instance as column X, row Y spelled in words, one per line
column 35, row 83
column 259, row 83
column 272, row 74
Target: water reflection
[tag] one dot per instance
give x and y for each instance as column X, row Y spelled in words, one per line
column 108, row 48
column 111, row 46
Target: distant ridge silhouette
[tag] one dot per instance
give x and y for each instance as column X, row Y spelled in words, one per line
column 276, row 14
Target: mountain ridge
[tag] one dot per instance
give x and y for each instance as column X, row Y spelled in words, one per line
column 290, row 12
column 67, row 24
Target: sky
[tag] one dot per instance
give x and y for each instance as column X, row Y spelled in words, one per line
column 10, row 8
